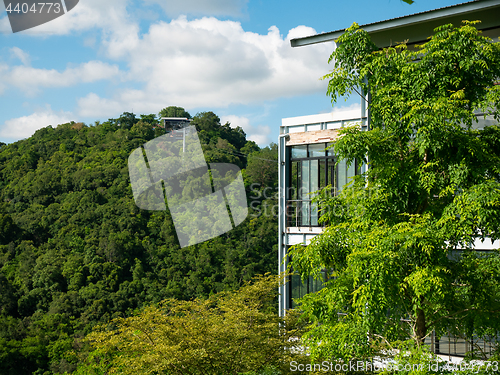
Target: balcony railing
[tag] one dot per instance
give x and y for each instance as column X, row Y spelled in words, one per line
column 301, row 213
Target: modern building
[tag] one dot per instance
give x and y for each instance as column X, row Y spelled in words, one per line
column 305, row 164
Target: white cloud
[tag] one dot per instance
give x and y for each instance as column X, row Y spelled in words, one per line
column 213, row 63
column 262, row 137
column 175, row 8
column 260, row 134
column 24, row 127
column 30, row 80
column 18, row 53
column 3, row 69
column 110, row 16
column 94, row 106
column 5, row 25
column 355, row 108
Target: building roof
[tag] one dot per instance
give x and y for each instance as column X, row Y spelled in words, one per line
column 416, row 28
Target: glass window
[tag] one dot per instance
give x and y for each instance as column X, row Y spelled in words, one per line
column 332, row 174
column 313, row 186
column 299, row 289
column 304, row 192
column 299, row 152
column 317, row 149
column 323, row 171
column 308, row 178
column 294, row 180
column 308, row 175
column 330, row 151
column 345, row 173
column 305, row 179
column 314, row 177
column 315, row 285
column 341, row 175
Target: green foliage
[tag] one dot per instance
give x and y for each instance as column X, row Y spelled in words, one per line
column 228, row 333
column 210, row 130
column 9, row 231
column 76, row 251
column 262, row 168
column 174, row 111
column 400, row 239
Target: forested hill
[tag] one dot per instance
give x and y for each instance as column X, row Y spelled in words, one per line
column 75, row 250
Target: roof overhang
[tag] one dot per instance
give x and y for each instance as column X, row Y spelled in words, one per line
column 416, row 28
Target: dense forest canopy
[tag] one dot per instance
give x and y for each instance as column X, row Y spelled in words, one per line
column 76, row 251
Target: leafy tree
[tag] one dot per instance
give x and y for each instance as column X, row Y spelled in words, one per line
column 173, row 111
column 150, row 119
column 250, row 146
column 400, row 239
column 262, row 167
column 235, row 136
column 8, row 229
column 207, row 123
column 228, row 333
column 127, row 120
column 210, row 131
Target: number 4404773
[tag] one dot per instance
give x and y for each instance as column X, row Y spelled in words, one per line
column 34, row 8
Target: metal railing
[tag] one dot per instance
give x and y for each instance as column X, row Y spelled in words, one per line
column 454, row 346
column 301, row 213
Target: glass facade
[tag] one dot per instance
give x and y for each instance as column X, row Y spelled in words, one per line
column 313, row 167
column 299, row 288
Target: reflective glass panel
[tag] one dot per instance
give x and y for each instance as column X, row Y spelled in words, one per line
column 304, row 192
column 330, row 150
column 299, row 152
column 332, row 174
column 317, row 149
column 314, row 185
column 342, row 175
column 294, row 181
column 314, row 176
column 322, row 173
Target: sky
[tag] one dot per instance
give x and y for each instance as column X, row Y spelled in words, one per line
column 231, row 57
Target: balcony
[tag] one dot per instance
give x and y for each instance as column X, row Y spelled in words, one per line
column 301, row 213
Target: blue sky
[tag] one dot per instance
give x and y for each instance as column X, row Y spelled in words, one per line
column 232, row 57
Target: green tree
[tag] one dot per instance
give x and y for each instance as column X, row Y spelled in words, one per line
column 250, row 146
column 150, row 119
column 173, row 111
column 207, row 123
column 126, row 120
column 262, row 167
column 228, row 333
column 400, row 239
column 8, row 229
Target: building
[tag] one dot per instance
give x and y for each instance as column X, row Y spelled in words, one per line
column 305, row 165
